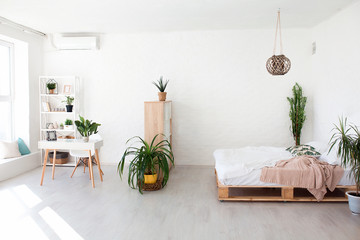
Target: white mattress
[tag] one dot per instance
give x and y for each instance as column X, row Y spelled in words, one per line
column 243, row 166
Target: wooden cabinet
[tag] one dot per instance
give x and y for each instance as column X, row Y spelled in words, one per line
column 158, row 120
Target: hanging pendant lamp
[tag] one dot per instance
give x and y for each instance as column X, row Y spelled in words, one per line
column 278, row 64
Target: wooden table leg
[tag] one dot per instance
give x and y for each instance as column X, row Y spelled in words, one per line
column 91, row 169
column 44, row 166
column 53, row 167
column 98, row 163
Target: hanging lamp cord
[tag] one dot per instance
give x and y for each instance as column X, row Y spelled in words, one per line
column 278, row 27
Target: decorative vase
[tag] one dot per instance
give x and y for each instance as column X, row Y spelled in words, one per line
column 56, row 126
column 354, row 202
column 69, row 108
column 162, row 96
column 85, row 139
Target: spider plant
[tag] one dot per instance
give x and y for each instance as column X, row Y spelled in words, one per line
column 161, row 85
column 348, row 148
column 148, row 160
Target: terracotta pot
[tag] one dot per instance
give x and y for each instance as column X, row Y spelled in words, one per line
column 162, row 96
column 51, row 91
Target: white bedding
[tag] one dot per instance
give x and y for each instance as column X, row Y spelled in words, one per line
column 243, row 166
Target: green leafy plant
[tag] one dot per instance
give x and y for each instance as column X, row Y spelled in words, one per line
column 348, row 148
column 51, row 86
column 147, row 159
column 86, row 127
column 69, row 100
column 297, row 112
column 161, row 85
column 68, row 122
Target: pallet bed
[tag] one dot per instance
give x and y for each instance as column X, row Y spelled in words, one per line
column 276, row 193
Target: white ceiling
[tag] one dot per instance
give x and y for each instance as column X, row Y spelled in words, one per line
column 105, row 16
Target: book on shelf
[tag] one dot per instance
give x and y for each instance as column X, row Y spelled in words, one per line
column 46, row 106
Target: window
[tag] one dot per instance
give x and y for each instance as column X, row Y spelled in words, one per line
column 6, row 100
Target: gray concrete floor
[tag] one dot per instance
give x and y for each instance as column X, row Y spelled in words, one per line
column 187, row 208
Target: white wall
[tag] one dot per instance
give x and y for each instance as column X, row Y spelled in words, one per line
column 222, row 95
column 26, row 82
column 335, row 71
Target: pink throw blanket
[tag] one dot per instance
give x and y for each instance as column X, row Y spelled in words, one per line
column 305, row 172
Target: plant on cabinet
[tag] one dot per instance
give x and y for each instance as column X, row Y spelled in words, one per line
column 161, row 85
column 68, row 124
column 347, row 141
column 69, row 100
column 86, row 128
column 149, row 161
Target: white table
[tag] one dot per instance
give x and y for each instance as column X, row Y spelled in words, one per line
column 71, row 144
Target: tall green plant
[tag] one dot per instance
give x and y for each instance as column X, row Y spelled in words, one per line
column 348, row 148
column 297, row 112
column 147, row 159
column 86, row 127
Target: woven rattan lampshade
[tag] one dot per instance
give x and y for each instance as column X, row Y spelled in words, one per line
column 278, row 64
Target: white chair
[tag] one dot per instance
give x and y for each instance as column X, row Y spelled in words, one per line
column 83, row 156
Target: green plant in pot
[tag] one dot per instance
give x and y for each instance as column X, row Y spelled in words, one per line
column 297, row 112
column 69, row 100
column 51, row 86
column 347, row 141
column 86, row 128
column 68, row 124
column 161, row 85
column 149, row 162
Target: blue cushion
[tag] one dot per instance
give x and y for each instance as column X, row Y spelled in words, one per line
column 23, row 149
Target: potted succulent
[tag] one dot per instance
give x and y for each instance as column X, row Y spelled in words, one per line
column 149, row 160
column 68, row 124
column 51, row 86
column 161, row 86
column 347, row 140
column 69, row 100
column 61, row 126
column 86, row 128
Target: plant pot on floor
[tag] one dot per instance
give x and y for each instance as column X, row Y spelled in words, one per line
column 162, row 96
column 354, row 202
column 69, row 108
column 150, row 178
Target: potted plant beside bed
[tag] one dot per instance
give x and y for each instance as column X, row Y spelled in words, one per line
column 149, row 160
column 86, row 128
column 161, row 86
column 347, row 139
column 69, row 100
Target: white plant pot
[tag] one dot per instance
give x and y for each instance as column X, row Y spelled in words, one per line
column 354, row 203
column 85, row 139
column 68, row 127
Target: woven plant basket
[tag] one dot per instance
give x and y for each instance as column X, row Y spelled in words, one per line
column 278, row 65
column 152, row 187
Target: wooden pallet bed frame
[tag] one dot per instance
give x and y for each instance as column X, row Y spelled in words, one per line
column 287, row 194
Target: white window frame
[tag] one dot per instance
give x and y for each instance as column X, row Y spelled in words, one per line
column 10, row 98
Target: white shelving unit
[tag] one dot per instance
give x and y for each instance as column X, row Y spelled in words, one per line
column 57, row 113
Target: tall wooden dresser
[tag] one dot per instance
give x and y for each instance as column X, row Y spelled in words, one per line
column 158, row 120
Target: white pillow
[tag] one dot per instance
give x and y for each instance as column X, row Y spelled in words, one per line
column 9, row 150
column 331, row 157
column 319, row 146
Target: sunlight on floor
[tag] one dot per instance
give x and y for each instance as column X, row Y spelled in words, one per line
column 60, row 227
column 27, row 196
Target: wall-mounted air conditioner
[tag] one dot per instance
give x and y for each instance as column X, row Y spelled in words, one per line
column 76, row 42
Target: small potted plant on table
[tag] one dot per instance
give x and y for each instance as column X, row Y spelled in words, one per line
column 68, row 124
column 347, row 139
column 161, row 86
column 69, row 100
column 149, row 161
column 86, row 128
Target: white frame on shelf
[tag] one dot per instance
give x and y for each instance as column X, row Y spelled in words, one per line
column 46, row 115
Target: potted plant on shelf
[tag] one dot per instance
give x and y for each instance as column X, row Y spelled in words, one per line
column 61, row 126
column 161, row 86
column 69, row 100
column 86, row 128
column 51, row 86
column 347, row 140
column 149, row 160
column 68, row 124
